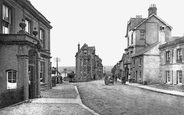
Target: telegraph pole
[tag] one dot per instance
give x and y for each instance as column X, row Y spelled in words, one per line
column 57, row 60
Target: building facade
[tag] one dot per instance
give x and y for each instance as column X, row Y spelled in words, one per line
column 88, row 64
column 143, row 38
column 172, row 62
column 24, row 52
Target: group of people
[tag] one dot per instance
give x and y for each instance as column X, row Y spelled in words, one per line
column 113, row 78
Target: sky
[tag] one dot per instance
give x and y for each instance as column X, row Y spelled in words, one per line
column 100, row 23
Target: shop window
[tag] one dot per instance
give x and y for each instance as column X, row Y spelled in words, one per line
column 11, row 79
column 6, row 19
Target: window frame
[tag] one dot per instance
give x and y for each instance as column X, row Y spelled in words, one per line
column 28, row 25
column 179, row 75
column 142, row 34
column 6, row 22
column 13, row 84
column 168, row 76
column 42, row 72
column 179, row 55
column 168, row 56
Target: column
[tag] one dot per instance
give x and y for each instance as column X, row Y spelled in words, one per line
column 23, row 61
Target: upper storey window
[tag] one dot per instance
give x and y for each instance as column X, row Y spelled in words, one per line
column 41, row 34
column 28, row 26
column 142, row 34
column 6, row 19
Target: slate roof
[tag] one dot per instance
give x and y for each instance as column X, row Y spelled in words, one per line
column 177, row 40
column 143, row 51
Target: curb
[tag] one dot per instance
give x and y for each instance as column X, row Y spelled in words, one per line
column 180, row 95
column 156, row 90
column 84, row 106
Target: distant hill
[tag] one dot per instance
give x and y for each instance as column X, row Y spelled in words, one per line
column 72, row 68
column 61, row 68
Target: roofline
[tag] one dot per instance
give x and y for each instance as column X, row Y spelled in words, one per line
column 149, row 18
column 35, row 12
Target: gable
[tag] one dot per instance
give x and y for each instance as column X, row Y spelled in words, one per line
column 153, row 18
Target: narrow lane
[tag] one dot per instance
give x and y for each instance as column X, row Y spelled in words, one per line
column 127, row 100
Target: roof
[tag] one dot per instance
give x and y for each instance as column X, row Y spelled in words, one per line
column 145, row 50
column 177, row 40
column 135, row 21
column 149, row 18
column 28, row 6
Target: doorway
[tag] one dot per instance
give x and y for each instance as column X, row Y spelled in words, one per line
column 33, row 74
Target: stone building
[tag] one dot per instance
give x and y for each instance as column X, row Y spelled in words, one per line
column 172, row 58
column 24, row 52
column 143, row 38
column 88, row 64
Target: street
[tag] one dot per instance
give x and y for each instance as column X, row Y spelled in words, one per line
column 117, row 99
column 121, row 99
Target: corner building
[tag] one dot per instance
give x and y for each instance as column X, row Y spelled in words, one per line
column 24, row 52
column 88, row 64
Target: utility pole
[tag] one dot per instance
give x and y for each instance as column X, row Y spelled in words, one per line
column 57, row 60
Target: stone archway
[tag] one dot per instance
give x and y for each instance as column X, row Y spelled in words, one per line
column 33, row 74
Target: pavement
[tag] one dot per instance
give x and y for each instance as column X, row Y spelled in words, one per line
column 63, row 99
column 67, row 91
column 147, row 87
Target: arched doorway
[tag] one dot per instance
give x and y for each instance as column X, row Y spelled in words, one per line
column 33, row 74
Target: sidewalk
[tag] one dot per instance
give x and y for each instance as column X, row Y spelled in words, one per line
column 63, row 99
column 147, row 87
column 63, row 93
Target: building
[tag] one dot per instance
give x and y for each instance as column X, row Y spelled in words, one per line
column 172, row 58
column 88, row 64
column 143, row 38
column 24, row 52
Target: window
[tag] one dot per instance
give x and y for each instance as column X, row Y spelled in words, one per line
column 179, row 76
column 168, row 76
column 28, row 26
column 85, row 51
column 140, row 74
column 142, row 34
column 41, row 34
column 42, row 68
column 6, row 19
column 132, row 38
column 178, row 53
column 140, row 61
column 167, row 56
column 11, row 79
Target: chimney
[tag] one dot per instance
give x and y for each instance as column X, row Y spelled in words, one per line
column 78, row 47
column 152, row 9
column 138, row 16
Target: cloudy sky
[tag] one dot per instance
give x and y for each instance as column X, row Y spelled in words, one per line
column 100, row 23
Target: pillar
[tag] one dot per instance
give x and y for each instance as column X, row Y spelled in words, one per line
column 23, row 61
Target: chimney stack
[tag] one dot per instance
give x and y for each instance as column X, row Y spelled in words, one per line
column 78, row 47
column 152, row 9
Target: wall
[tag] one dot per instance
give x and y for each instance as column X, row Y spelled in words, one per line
column 151, row 72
